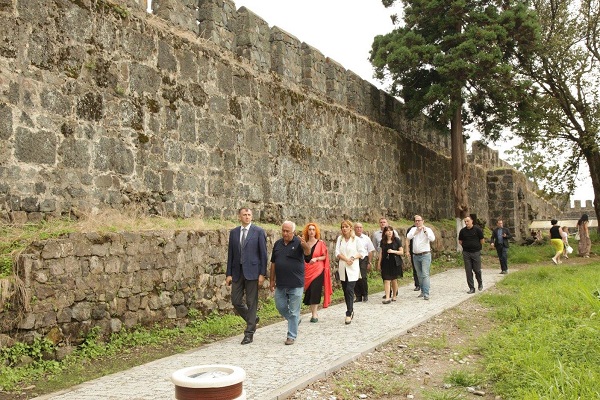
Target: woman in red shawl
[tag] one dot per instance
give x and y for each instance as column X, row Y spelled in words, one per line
column 317, row 274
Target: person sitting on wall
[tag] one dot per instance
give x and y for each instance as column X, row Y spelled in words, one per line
column 531, row 239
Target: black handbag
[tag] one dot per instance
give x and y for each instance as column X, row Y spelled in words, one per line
column 398, row 260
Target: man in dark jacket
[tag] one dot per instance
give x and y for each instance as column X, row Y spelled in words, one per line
column 246, row 269
column 499, row 240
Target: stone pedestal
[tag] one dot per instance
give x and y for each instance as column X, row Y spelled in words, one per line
column 218, row 382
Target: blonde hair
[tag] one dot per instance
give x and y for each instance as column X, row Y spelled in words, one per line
column 351, row 225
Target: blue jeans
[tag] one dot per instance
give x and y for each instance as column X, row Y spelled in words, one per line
column 287, row 301
column 422, row 264
column 502, row 256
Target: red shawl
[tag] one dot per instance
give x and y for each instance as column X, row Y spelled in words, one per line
column 312, row 271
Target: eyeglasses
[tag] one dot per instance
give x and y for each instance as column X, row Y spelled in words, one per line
column 418, row 220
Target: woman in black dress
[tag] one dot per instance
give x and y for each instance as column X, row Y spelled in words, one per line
column 390, row 263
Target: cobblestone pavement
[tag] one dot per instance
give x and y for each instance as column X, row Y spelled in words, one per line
column 274, row 370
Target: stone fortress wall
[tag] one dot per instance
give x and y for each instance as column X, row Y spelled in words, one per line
column 197, row 108
column 194, row 110
column 578, row 209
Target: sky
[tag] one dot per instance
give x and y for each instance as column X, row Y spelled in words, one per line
column 344, row 30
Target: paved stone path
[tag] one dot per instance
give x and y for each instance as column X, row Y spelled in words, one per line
column 275, row 371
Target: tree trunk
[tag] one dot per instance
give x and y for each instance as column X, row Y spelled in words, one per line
column 592, row 157
column 459, row 167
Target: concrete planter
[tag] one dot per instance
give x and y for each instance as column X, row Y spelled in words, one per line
column 215, row 382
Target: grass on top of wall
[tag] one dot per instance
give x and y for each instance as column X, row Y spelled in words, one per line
column 15, row 238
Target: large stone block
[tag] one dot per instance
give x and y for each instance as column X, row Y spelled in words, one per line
column 253, row 39
column 286, row 57
column 74, row 153
column 181, row 13
column 314, row 73
column 143, row 79
column 90, row 107
column 336, row 81
column 113, row 155
column 35, row 147
column 6, row 122
column 216, row 22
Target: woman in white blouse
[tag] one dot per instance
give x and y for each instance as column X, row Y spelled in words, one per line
column 349, row 250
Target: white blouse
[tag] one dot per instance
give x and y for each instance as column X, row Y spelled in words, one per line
column 349, row 248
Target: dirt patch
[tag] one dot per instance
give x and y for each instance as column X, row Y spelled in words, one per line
column 415, row 364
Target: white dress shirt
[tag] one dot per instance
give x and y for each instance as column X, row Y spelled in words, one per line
column 421, row 240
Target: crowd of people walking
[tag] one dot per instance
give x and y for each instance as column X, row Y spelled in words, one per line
column 301, row 267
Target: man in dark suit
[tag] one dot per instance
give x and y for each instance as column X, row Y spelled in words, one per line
column 246, row 269
column 499, row 240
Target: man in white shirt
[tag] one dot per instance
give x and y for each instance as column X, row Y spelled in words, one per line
column 376, row 237
column 362, row 286
column 421, row 237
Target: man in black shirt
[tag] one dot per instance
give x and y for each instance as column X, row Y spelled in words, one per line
column 287, row 276
column 471, row 238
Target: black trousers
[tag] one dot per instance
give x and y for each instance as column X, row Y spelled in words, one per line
column 472, row 266
column 248, row 309
column 362, row 285
column 348, row 288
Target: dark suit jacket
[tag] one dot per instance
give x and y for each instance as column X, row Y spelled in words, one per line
column 255, row 254
column 495, row 236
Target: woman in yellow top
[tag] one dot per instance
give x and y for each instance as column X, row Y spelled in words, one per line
column 557, row 241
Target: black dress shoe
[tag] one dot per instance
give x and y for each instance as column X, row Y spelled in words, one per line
column 247, row 339
column 417, row 289
column 480, row 287
column 365, row 299
column 471, row 291
column 358, row 300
